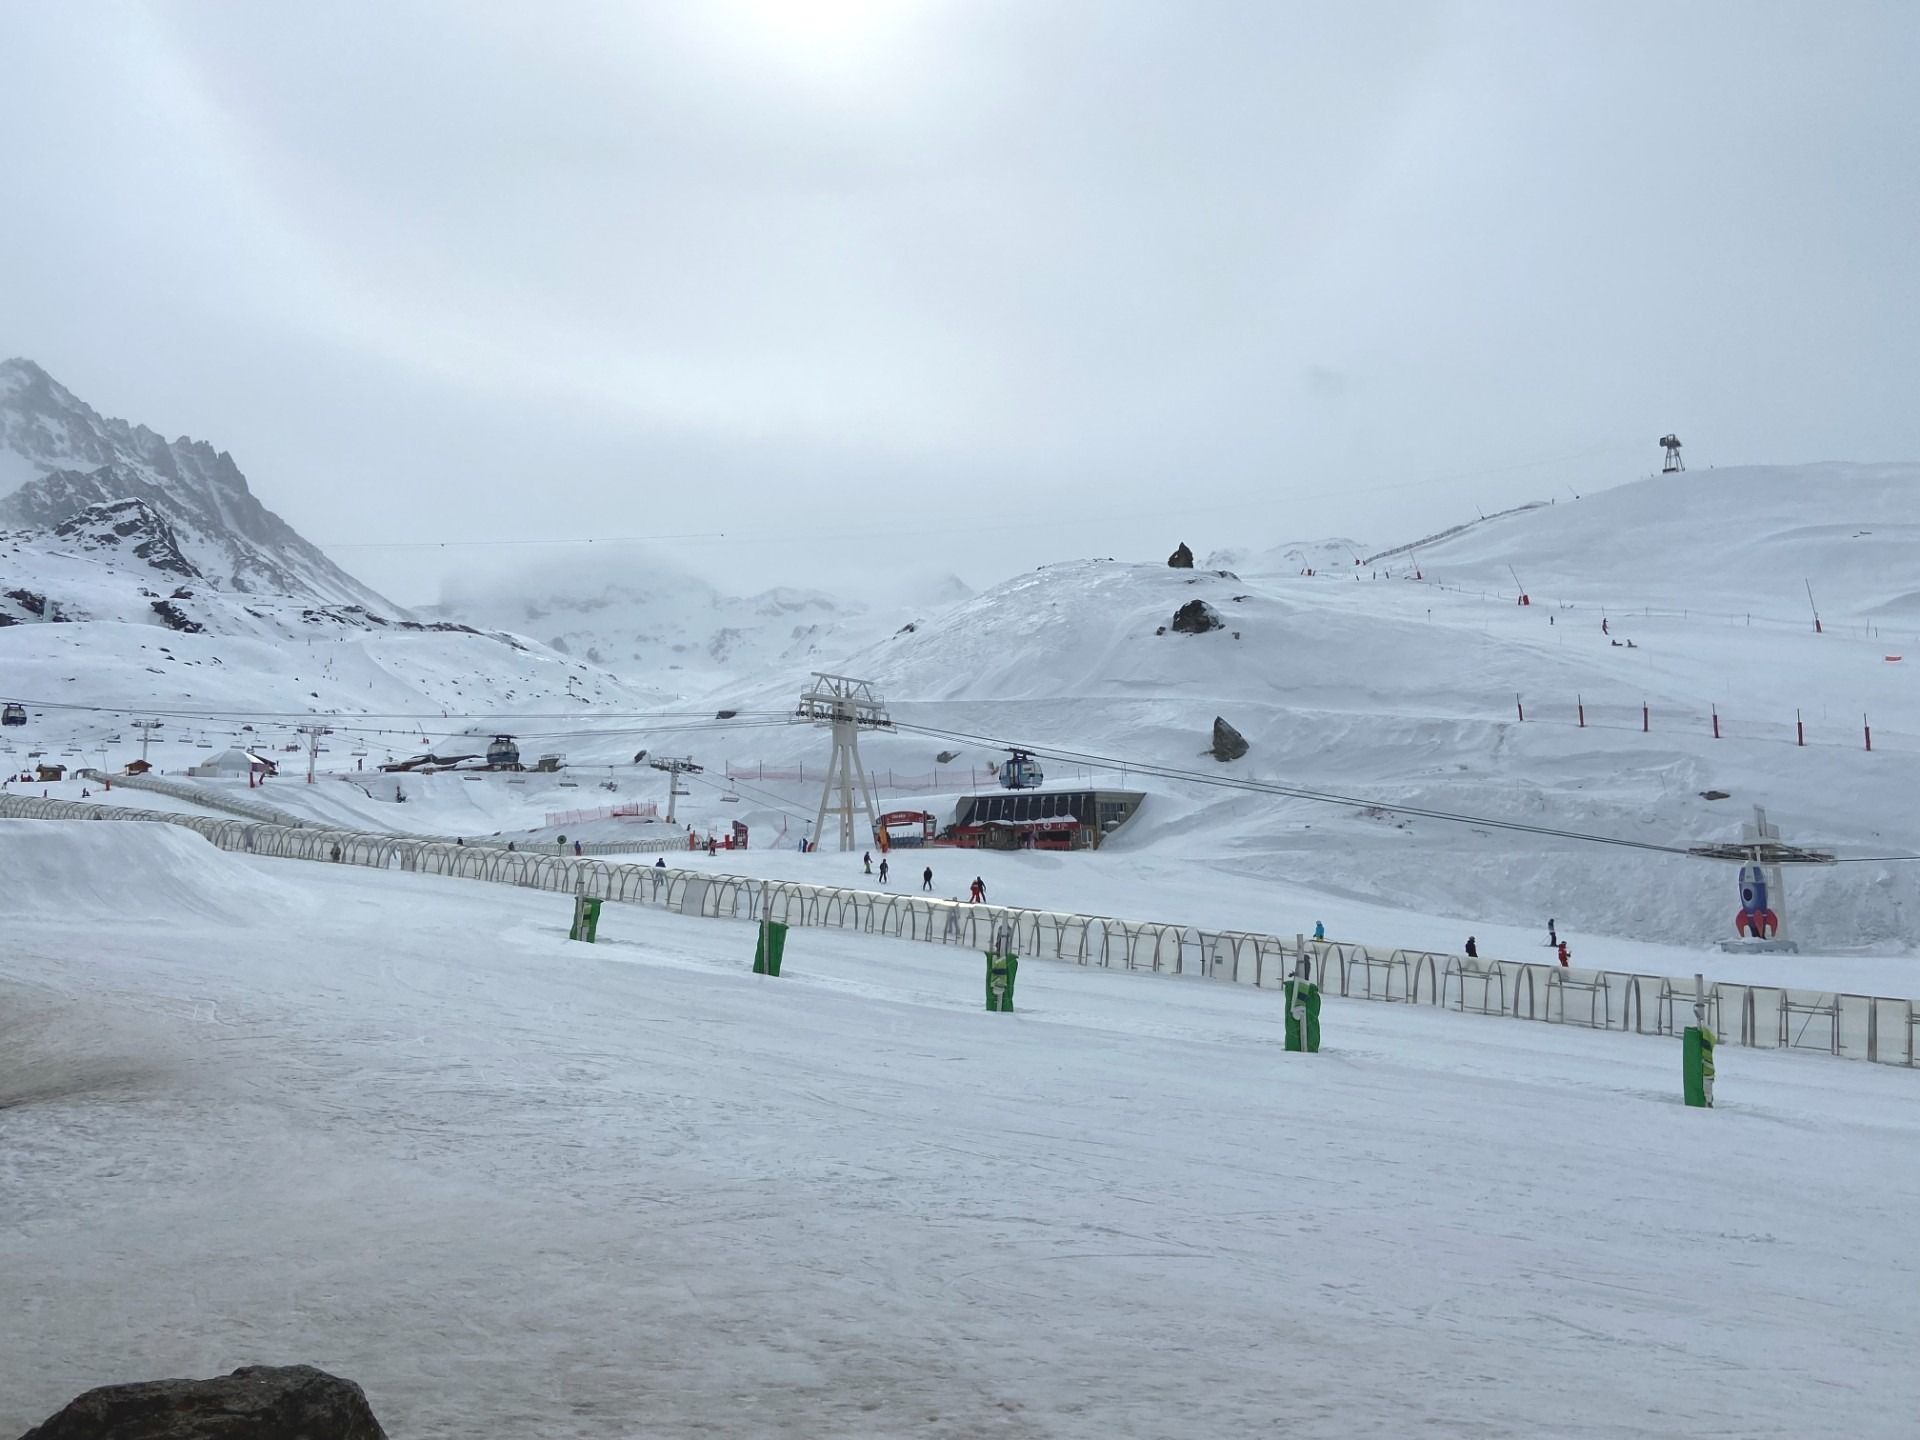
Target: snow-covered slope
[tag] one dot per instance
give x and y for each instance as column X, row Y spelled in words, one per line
column 398, row 1126
column 1411, row 694
column 1396, row 692
column 59, row 456
column 1741, row 539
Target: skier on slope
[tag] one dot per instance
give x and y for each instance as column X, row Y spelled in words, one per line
column 926, row 878
column 1563, row 954
column 867, row 860
column 977, row 892
column 883, row 869
column 1473, row 950
column 1553, row 936
column 1319, row 930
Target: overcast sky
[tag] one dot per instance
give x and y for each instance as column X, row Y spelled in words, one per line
column 974, row 285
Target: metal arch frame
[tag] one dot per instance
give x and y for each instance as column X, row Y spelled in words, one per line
column 1599, row 999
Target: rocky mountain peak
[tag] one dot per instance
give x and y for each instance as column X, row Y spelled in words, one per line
column 60, row 458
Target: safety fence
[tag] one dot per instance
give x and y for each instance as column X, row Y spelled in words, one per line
column 263, row 813
column 1880, row 1029
column 965, row 777
column 631, row 810
column 1854, row 731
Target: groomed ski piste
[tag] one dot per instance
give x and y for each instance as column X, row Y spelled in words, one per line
column 398, row 1126
column 401, row 1127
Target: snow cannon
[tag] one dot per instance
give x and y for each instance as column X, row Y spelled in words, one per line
column 1003, row 968
column 1303, row 1009
column 769, row 947
column 1755, row 919
column 1696, row 1052
column 586, row 919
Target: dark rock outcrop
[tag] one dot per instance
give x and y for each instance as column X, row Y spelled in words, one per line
column 1196, row 617
column 127, row 524
column 172, row 616
column 1181, row 559
column 257, row 1402
column 1228, row 743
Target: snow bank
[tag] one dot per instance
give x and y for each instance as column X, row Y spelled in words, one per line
column 88, row 873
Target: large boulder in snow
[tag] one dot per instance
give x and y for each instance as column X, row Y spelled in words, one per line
column 1196, row 617
column 258, row 1402
column 1228, row 743
column 1181, row 559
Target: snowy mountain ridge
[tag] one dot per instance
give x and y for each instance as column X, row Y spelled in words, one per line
column 59, row 457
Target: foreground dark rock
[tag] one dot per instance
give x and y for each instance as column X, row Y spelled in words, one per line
column 1196, row 617
column 257, row 1402
column 1228, row 743
column 1181, row 559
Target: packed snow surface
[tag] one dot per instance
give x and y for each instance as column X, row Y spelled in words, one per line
column 407, row 1132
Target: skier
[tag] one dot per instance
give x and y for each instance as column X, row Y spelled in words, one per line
column 1553, row 936
column 576, row 847
column 926, row 878
column 867, row 860
column 1473, row 950
column 1603, row 626
column 977, row 892
column 1564, row 954
column 661, row 863
column 883, row 869
column 1319, row 930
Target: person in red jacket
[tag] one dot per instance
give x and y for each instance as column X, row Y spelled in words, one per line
column 1563, row 953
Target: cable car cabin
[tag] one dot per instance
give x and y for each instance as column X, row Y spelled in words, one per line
column 13, row 715
column 1020, row 771
column 503, row 754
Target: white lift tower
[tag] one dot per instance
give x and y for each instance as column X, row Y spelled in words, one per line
column 849, row 706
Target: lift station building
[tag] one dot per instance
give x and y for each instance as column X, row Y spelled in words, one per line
column 1042, row 819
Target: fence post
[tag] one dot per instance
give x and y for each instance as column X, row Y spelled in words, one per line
column 1867, row 730
column 1645, row 718
column 1580, row 704
column 1716, row 722
column 1519, row 709
column 1799, row 729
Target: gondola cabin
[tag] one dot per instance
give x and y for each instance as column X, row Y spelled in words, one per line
column 503, row 754
column 1020, row 771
